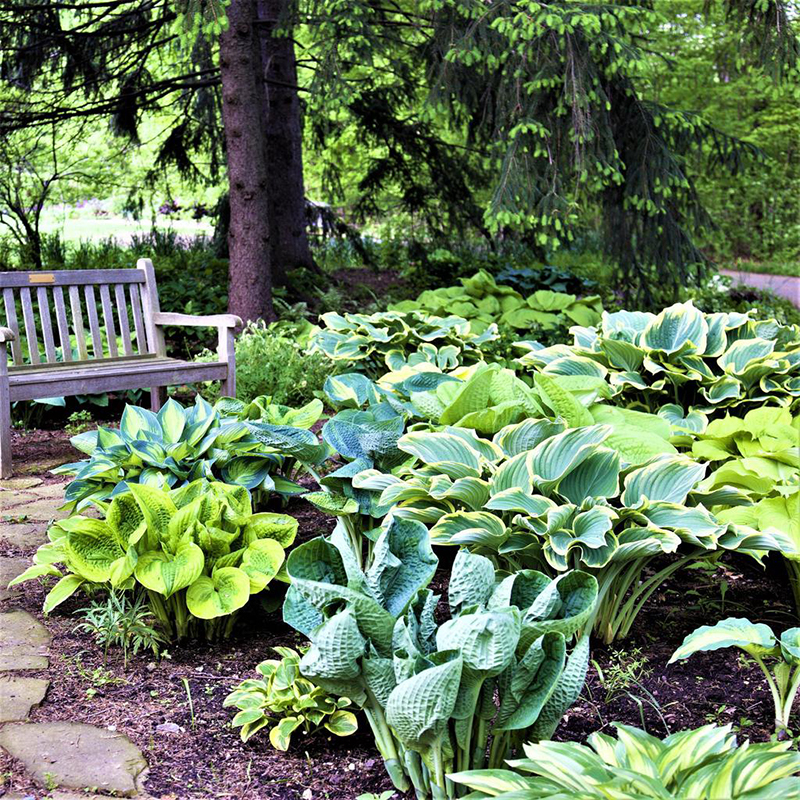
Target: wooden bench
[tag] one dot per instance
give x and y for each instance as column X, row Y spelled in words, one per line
column 126, row 351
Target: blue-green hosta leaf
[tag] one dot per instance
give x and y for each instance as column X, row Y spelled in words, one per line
column 472, row 581
column 426, row 381
column 623, row 355
column 564, row 606
column 790, row 646
column 459, row 458
column 637, row 542
column 261, row 561
column 518, row 500
column 694, row 525
column 756, row 639
column 172, row 420
column 226, row 591
column 595, row 476
column 419, row 709
column 680, row 328
column 488, row 450
column 351, row 390
column 516, row 473
column 165, row 573
column 667, row 478
column 693, row 422
column 295, row 442
column 742, row 353
column 486, row 640
column 628, row 323
column 91, row 547
column 590, row 536
column 470, row 528
column 524, row 436
column 472, row 492
column 553, row 458
column 139, row 423
column 575, row 365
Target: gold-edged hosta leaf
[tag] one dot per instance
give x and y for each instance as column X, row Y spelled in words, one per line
column 680, row 328
column 469, row 528
column 342, row 723
column 281, row 528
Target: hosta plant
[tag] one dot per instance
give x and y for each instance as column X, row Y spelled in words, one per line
column 283, row 701
column 544, row 496
column 198, row 552
column 263, row 409
column 706, row 362
column 482, row 301
column 439, row 696
column 367, row 340
column 179, row 445
column 762, row 645
column 702, row 764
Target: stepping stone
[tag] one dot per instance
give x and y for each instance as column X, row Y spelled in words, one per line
column 12, row 502
column 15, row 484
column 24, row 642
column 42, row 509
column 19, row 695
column 10, row 567
column 73, row 755
column 23, row 535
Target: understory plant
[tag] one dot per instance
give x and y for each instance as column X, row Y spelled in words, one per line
column 282, row 700
column 702, row 764
column 198, row 553
column 705, row 362
column 539, row 495
column 439, row 696
column 363, row 341
column 179, row 445
column 760, row 643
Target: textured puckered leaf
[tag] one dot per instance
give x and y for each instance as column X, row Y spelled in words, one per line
column 227, row 590
column 679, row 328
column 636, row 446
column 524, row 436
column 420, row 707
column 267, row 525
column 562, row 402
column 486, row 640
column 469, row 527
column 472, row 581
column 91, row 548
column 295, row 442
column 667, row 478
column 261, row 561
column 165, row 573
column 627, row 418
column 563, row 607
column 337, row 504
column 756, row 639
column 157, row 508
column 126, row 520
column 553, row 458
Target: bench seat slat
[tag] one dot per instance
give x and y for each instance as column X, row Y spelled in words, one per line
column 63, row 325
column 11, row 322
column 47, row 324
column 30, row 325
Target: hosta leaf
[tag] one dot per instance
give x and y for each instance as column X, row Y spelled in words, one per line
column 562, row 402
column 156, row 506
column 595, row 476
column 268, row 525
column 667, row 478
column 472, row 581
column 756, row 639
column 139, row 423
column 62, row 591
column 261, row 561
column 166, row 574
column 91, row 548
column 247, row 471
column 790, row 646
column 337, row 504
column 524, row 436
column 434, row 448
column 172, row 420
column 342, row 723
column 742, row 352
column 227, row 590
column 679, row 328
column 469, row 528
column 553, row 458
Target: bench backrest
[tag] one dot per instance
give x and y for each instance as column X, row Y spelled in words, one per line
column 111, row 311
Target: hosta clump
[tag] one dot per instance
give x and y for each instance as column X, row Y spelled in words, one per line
column 543, row 496
column 439, row 696
column 367, row 340
column 263, row 409
column 706, row 362
column 283, row 701
column 179, row 445
column 198, row 552
column 702, row 764
column 761, row 644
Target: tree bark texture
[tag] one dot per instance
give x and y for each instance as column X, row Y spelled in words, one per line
column 250, row 277
column 284, row 141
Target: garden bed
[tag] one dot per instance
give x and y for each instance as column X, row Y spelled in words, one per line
column 193, row 752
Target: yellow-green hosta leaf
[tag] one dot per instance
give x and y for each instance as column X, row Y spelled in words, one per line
column 268, row 525
column 336, row 504
column 123, row 567
column 91, row 548
column 636, row 446
column 165, row 573
column 156, row 506
column 34, row 571
column 63, row 590
column 562, row 402
column 226, row 591
column 756, row 639
column 342, row 723
column 261, row 561
column 125, row 519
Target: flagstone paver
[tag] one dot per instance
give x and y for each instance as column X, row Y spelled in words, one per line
column 24, row 642
column 23, row 535
column 74, row 755
column 19, row 695
column 10, row 567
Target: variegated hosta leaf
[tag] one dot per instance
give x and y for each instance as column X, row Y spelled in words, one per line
column 756, row 639
column 449, row 453
column 91, row 548
column 667, row 478
column 166, row 574
column 553, row 458
column 524, row 436
column 477, row 528
column 679, row 328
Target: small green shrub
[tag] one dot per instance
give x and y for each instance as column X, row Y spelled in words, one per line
column 284, row 699
column 270, row 362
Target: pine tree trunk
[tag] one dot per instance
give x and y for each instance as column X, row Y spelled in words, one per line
column 284, row 140
column 250, row 279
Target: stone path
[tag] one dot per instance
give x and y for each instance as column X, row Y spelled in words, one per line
column 61, row 755
column 786, row 286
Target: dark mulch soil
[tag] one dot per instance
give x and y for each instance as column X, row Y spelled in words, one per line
column 205, row 758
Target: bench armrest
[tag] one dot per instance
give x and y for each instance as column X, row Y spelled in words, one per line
column 192, row 320
column 7, row 335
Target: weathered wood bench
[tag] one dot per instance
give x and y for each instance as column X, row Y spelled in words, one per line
column 126, row 352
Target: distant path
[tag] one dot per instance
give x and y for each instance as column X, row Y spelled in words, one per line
column 786, row 286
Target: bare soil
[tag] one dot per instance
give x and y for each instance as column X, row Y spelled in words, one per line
column 206, row 759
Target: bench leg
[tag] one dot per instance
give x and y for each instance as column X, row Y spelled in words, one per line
column 226, row 353
column 5, row 428
column 158, row 396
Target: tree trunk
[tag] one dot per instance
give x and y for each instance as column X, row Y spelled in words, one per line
column 250, row 279
column 284, row 139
